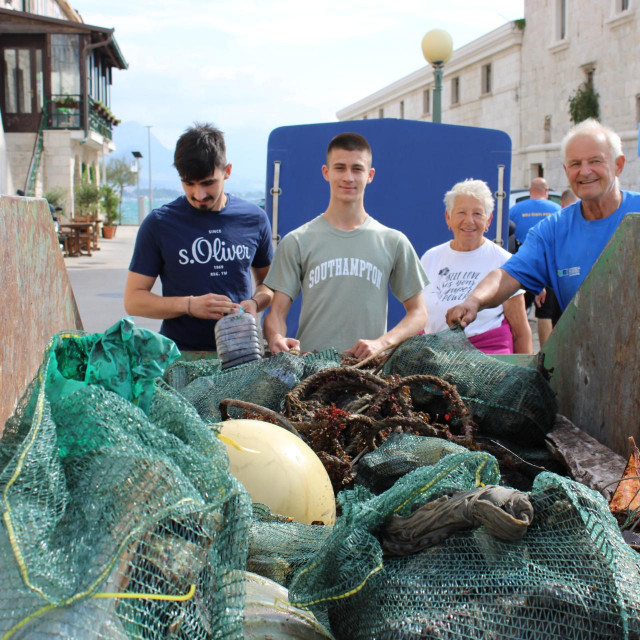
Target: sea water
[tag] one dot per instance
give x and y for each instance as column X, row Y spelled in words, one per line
column 130, row 208
column 130, row 205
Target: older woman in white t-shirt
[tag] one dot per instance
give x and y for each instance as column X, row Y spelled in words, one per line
column 455, row 268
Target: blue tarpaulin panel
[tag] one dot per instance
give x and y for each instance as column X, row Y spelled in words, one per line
column 415, row 163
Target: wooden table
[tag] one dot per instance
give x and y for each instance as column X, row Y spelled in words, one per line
column 80, row 236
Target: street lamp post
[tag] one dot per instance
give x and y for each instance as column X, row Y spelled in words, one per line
column 150, row 186
column 437, row 47
column 136, row 168
column 141, row 209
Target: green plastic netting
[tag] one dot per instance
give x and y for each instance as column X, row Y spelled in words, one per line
column 262, row 382
column 279, row 547
column 119, row 521
column 181, row 372
column 571, row 576
column 504, row 399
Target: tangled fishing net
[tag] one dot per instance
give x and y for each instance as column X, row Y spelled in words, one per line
column 570, row 576
column 121, row 519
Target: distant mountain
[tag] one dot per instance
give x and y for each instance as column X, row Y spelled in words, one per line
column 248, row 167
column 131, row 136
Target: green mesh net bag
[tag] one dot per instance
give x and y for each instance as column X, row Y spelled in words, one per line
column 181, row 372
column 120, row 518
column 261, row 382
column 398, row 455
column 504, row 399
column 570, row 576
column 279, row 547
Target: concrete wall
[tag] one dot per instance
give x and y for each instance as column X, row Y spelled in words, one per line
column 19, row 152
column 598, row 38
column 6, row 180
column 36, row 298
column 59, row 164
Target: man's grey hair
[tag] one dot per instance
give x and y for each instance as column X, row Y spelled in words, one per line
column 477, row 189
column 591, row 126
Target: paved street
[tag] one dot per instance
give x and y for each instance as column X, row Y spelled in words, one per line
column 98, row 282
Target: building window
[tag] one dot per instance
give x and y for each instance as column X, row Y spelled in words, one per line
column 638, row 109
column 623, row 5
column 65, row 65
column 401, row 109
column 455, row 90
column 380, row 112
column 426, row 101
column 486, row 78
column 561, row 20
column 547, row 129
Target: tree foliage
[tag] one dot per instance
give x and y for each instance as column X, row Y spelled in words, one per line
column 110, row 203
column 584, row 103
column 119, row 175
column 87, row 198
column 56, row 196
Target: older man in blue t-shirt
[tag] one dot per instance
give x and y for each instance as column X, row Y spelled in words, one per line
column 560, row 251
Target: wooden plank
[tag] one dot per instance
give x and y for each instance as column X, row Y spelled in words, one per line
column 36, row 296
column 587, row 460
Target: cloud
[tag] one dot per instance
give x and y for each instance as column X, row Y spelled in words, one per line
column 251, row 65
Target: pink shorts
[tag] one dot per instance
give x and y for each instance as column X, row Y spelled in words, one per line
column 498, row 340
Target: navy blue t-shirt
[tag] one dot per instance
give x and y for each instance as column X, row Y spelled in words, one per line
column 196, row 252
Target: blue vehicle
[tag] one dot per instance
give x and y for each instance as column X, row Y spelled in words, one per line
column 415, row 162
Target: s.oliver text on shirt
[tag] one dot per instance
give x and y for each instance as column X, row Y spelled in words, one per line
column 204, row 251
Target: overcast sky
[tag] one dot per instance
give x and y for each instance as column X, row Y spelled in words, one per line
column 250, row 66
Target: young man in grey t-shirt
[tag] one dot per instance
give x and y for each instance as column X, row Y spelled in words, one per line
column 343, row 260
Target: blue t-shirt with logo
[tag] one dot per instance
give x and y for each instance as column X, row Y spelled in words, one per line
column 560, row 251
column 527, row 213
column 196, row 252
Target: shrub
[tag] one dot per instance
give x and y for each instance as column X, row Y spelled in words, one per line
column 584, row 103
column 87, row 198
column 110, row 202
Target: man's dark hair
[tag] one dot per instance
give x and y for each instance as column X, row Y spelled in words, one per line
column 349, row 141
column 198, row 151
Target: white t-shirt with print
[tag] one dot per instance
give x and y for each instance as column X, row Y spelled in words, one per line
column 452, row 277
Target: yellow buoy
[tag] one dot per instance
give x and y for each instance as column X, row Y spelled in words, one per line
column 280, row 470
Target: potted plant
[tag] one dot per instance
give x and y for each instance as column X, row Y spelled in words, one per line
column 66, row 102
column 110, row 201
column 87, row 198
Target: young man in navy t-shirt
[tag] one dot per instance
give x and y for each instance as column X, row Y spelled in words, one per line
column 204, row 246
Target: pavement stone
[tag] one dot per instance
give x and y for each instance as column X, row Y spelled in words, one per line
column 98, row 282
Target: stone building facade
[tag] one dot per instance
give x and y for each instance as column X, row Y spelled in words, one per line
column 519, row 78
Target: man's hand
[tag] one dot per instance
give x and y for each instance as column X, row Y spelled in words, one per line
column 279, row 343
column 540, row 298
column 211, row 306
column 463, row 314
column 365, row 348
column 250, row 306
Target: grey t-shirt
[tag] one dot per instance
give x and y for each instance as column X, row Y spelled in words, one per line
column 343, row 276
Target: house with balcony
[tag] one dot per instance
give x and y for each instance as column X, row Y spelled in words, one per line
column 55, row 96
